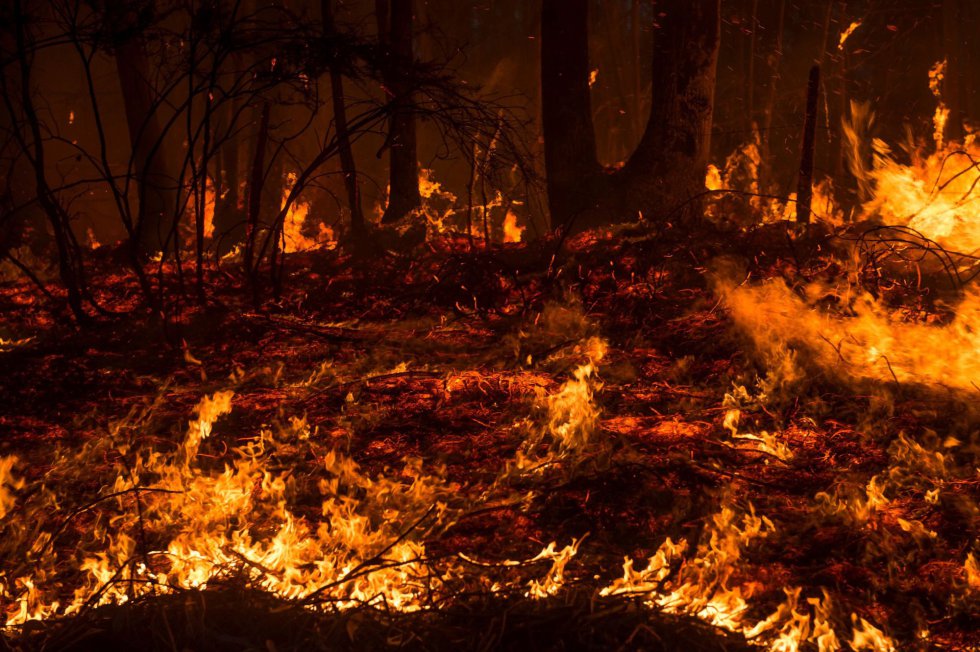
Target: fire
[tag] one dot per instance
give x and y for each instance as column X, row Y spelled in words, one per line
column 936, row 76
column 935, row 193
column 205, row 515
column 438, row 204
column 846, row 34
column 93, row 242
column 209, row 204
column 741, row 175
column 571, row 420
column 868, row 637
column 295, row 224
column 513, row 232
column 9, row 484
column 553, row 582
column 876, row 343
column 179, row 522
column 701, row 585
column 972, row 569
column 10, row 344
column 428, row 186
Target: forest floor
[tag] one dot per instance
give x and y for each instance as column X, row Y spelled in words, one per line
column 458, row 410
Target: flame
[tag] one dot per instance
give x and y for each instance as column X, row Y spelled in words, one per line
column 179, row 522
column 593, row 75
column 875, row 344
column 93, row 242
column 438, row 204
column 935, row 193
column 936, row 76
column 972, row 569
column 360, row 550
column 571, row 419
column 295, row 224
column 210, row 199
column 868, row 637
column 9, row 484
column 741, row 176
column 846, row 34
column 428, row 186
column 713, row 180
column 701, row 586
column 513, row 232
column 10, row 344
column 553, row 582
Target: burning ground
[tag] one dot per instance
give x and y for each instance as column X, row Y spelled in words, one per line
column 644, row 442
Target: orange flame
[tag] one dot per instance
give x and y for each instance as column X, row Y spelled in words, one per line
column 513, row 232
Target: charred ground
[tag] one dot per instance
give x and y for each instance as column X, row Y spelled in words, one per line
column 450, row 357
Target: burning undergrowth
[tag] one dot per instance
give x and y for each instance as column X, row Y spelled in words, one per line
column 595, row 447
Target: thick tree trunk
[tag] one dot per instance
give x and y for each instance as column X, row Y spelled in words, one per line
column 155, row 184
column 669, row 165
column 395, row 33
column 566, row 110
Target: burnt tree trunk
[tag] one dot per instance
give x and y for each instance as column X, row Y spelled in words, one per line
column 256, row 179
column 347, row 164
column 395, row 33
column 155, row 183
column 668, row 166
column 952, row 82
column 32, row 144
column 566, row 110
column 229, row 218
column 804, row 189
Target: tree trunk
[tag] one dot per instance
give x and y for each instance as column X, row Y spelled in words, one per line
column 347, row 165
column 395, row 33
column 669, row 164
column 68, row 267
column 256, row 178
column 229, row 218
column 804, row 189
column 155, row 184
column 952, row 82
column 566, row 110
column 765, row 170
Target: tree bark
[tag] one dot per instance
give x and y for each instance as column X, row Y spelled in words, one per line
column 34, row 149
column 155, row 183
column 229, row 218
column 347, row 164
column 256, row 179
column 804, row 189
column 566, row 109
column 395, row 33
column 669, row 164
column 952, row 82
column 667, row 168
